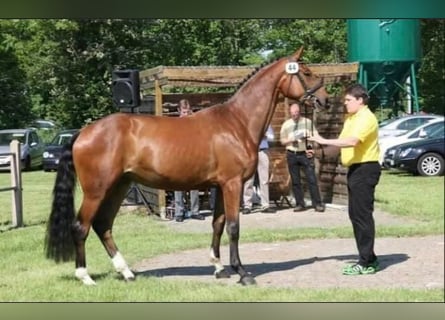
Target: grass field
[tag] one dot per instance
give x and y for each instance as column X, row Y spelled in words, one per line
column 28, row 276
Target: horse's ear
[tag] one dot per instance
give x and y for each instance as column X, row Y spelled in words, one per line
column 298, row 53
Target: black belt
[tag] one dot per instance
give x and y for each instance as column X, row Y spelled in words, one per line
column 296, row 152
column 264, row 149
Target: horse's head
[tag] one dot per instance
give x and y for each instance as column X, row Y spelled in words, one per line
column 298, row 82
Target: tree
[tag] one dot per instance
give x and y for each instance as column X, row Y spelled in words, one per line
column 61, row 69
column 15, row 106
column 432, row 71
column 324, row 40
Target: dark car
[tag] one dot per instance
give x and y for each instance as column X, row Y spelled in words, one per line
column 31, row 147
column 424, row 157
column 53, row 149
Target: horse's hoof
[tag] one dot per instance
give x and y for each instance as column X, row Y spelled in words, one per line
column 131, row 279
column 89, row 282
column 247, row 280
column 222, row 274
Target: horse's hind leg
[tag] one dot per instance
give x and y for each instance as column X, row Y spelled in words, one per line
column 103, row 225
column 80, row 232
column 218, row 228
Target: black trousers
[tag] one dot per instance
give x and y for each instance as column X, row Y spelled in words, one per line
column 362, row 180
column 295, row 162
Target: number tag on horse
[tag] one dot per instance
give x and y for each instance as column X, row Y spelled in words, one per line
column 292, row 67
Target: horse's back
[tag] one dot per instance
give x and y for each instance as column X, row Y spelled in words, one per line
column 155, row 150
column 164, row 152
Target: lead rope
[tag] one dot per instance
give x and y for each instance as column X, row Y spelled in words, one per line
column 312, row 124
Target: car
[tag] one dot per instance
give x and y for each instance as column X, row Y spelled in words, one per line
column 424, row 157
column 43, row 124
column 422, row 132
column 31, row 147
column 53, row 150
column 400, row 125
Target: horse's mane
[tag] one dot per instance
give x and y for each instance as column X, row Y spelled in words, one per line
column 250, row 75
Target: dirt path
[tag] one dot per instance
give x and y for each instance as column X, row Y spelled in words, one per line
column 405, row 262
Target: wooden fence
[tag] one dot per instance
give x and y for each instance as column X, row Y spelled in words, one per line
column 16, row 183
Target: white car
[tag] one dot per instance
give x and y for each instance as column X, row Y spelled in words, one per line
column 396, row 126
column 422, row 132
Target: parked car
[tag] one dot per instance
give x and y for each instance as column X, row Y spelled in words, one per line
column 422, row 132
column 400, row 125
column 424, row 157
column 53, row 150
column 43, row 124
column 31, row 146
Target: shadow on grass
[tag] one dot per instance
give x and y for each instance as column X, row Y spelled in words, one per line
column 399, row 173
column 386, row 261
column 7, row 225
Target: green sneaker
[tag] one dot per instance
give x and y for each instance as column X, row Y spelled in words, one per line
column 356, row 269
column 375, row 265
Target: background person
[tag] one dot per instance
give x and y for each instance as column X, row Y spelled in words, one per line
column 358, row 141
column 263, row 178
column 184, row 109
column 299, row 155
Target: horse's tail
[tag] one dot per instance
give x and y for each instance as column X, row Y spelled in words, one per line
column 59, row 242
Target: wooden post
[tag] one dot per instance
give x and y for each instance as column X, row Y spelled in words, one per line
column 16, row 182
column 158, row 112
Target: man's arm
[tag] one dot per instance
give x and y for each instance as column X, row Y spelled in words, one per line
column 339, row 142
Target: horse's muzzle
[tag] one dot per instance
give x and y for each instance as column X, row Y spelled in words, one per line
column 320, row 105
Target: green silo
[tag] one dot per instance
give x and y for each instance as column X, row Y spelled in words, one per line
column 389, row 53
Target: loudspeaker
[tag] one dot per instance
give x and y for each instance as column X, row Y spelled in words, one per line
column 125, row 88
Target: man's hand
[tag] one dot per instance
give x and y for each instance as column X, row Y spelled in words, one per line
column 310, row 153
column 316, row 138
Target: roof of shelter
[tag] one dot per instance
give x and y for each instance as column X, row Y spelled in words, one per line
column 229, row 76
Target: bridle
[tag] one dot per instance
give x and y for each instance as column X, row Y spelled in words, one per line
column 292, row 69
column 308, row 92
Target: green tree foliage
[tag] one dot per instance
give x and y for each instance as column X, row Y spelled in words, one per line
column 432, row 70
column 324, row 40
column 69, row 63
column 61, row 69
column 15, row 106
column 204, row 42
column 83, row 55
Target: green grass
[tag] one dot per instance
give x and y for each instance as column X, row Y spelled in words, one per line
column 28, row 276
column 416, row 197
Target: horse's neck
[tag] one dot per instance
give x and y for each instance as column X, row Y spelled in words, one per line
column 255, row 100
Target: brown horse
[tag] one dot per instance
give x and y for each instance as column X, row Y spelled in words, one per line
column 217, row 146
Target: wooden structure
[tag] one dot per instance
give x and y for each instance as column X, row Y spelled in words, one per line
column 15, row 168
column 159, row 87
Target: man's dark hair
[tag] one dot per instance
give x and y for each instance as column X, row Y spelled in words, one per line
column 358, row 91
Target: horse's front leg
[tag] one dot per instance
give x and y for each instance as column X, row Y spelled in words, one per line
column 218, row 224
column 232, row 194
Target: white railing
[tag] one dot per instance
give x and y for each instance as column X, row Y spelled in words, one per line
column 16, row 183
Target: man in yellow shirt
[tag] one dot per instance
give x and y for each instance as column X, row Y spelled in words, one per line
column 358, row 141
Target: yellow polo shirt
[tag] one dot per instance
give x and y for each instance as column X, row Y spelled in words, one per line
column 364, row 126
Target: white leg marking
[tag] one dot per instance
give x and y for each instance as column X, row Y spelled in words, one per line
column 82, row 275
column 216, row 262
column 121, row 266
